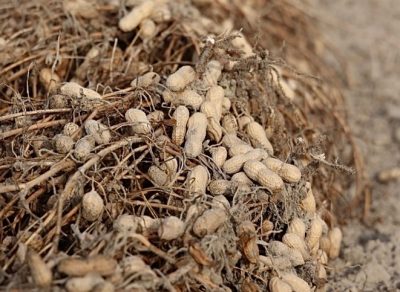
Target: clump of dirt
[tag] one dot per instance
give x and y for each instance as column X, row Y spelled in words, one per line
column 150, row 145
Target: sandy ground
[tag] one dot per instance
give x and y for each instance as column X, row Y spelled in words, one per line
column 367, row 34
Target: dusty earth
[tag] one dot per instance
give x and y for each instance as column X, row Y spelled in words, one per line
column 367, row 35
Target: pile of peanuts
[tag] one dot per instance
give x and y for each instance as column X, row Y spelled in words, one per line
column 241, row 161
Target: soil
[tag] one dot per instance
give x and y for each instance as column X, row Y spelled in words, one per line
column 367, row 35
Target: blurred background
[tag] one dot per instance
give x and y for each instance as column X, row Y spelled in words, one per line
column 366, row 34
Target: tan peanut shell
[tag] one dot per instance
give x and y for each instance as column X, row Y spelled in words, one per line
column 147, row 29
column 126, row 223
column 155, row 117
column 322, row 257
column 197, row 179
column 146, row 80
column 215, row 95
column 212, row 73
column 230, row 140
column 83, row 284
column 297, row 227
column 258, row 172
column 49, row 79
column 171, row 228
column 92, row 206
column 258, row 137
column 62, row 143
column 70, row 129
column 289, row 173
column 195, row 135
column 90, row 57
column 181, row 78
column 41, row 273
column 106, row 286
column 325, row 243
column 76, row 267
column 219, row 155
column 132, row 265
column 308, row 203
column 74, row 90
column 239, row 149
column 209, row 221
column 267, row 226
column 297, row 284
column 83, row 147
column 139, row 121
column 226, row 105
column 220, row 201
column 81, row 8
column 161, row 13
column 130, row 21
column 181, row 116
column 98, row 131
column 214, row 130
column 240, row 178
column 277, row 285
column 248, row 241
column 294, row 241
column 219, row 187
column 335, row 237
column 275, row 262
column 230, row 124
column 240, row 42
column 189, row 98
column 314, row 235
column 277, row 248
column 147, row 225
column 158, row 176
column 236, row 163
column 243, row 121
column 209, row 108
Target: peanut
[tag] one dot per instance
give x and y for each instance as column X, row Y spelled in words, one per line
column 219, row 155
column 220, row 201
column 241, row 43
column 171, row 228
column 308, row 203
column 140, row 123
column 187, row 97
column 100, row 264
column 314, row 235
column 181, row 116
column 41, row 273
column 158, row 176
column 181, row 78
column 219, row 187
column 235, row 163
column 258, row 137
column 126, row 223
column 240, row 178
column 84, row 284
column 297, row 284
column 226, row 105
column 148, row 225
column 92, row 206
column 248, row 241
column 83, row 147
column 275, row 263
column 209, row 221
column 335, row 237
column 58, row 101
column 72, row 130
column 212, row 73
column 288, row 172
column 98, row 131
column 197, row 179
column 74, row 90
column 82, row 8
column 215, row 95
column 239, row 149
column 294, row 241
column 297, row 227
column 62, row 143
column 146, row 80
column 161, row 13
column 277, row 285
column 130, row 21
column 155, row 117
column 261, row 174
column 148, row 29
column 49, row 79
column 230, row 124
column 195, row 135
column 277, row 248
